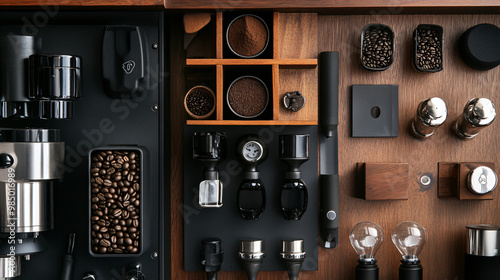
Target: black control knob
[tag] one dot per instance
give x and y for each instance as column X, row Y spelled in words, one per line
column 6, row 161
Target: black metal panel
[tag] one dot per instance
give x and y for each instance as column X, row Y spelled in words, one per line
column 98, row 121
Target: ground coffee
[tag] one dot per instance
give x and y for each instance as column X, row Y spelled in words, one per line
column 247, row 36
column 247, row 97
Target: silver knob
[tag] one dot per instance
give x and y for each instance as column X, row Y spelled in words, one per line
column 431, row 113
column 292, row 249
column 482, row 180
column 252, row 249
column 478, row 113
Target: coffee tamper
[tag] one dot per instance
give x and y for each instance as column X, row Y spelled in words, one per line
column 251, row 256
column 211, row 256
column 482, row 180
column 431, row 113
column 292, row 255
column 478, row 113
column 210, row 148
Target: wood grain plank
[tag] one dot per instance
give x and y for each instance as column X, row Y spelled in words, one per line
column 323, row 4
column 219, row 36
column 219, row 92
column 237, row 61
column 444, row 219
column 249, row 122
column 298, row 36
column 305, row 81
column 275, row 91
column 82, row 3
column 276, row 35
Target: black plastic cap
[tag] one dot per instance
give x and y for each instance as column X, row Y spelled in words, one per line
column 209, row 145
column 479, row 46
column 211, row 254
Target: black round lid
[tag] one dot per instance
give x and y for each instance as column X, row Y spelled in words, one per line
column 479, row 46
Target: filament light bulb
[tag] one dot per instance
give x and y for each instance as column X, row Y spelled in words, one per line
column 409, row 238
column 366, row 238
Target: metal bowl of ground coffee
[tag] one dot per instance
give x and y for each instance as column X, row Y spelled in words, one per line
column 247, row 97
column 199, row 102
column 247, row 36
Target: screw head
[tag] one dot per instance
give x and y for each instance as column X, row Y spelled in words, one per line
column 154, row 108
column 154, row 46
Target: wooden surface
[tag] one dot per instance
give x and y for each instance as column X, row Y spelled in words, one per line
column 83, row 3
column 193, row 22
column 293, row 68
column 447, row 179
column 382, row 181
column 325, row 4
column 445, row 219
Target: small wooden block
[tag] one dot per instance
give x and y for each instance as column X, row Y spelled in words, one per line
column 382, row 181
column 447, row 179
column 463, row 190
column 452, row 180
column 195, row 21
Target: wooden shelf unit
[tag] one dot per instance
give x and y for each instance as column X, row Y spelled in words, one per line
column 292, row 57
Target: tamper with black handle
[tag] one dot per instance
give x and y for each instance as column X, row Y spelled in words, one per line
column 292, row 255
column 212, row 256
column 251, row 256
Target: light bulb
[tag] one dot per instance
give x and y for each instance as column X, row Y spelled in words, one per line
column 366, row 238
column 409, row 238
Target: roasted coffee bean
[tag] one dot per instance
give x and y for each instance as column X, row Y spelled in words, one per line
column 377, row 49
column 104, row 243
column 429, row 50
column 117, row 212
column 115, row 187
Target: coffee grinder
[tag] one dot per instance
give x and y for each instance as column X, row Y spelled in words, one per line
column 482, row 258
column 31, row 160
column 36, row 86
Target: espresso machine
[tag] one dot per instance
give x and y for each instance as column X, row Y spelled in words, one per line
column 31, row 163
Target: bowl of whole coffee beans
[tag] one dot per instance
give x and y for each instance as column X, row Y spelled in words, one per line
column 377, row 47
column 199, row 102
column 428, row 48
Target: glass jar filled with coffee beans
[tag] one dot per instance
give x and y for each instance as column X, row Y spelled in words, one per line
column 377, row 47
column 115, row 207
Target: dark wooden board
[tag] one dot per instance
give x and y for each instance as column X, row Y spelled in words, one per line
column 444, row 219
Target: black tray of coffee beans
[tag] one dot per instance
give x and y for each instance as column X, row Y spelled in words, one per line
column 428, row 48
column 377, row 47
column 116, row 182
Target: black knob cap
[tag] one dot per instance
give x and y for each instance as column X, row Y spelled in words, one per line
column 6, row 161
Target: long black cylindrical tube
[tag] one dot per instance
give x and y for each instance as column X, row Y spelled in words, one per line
column 14, row 54
column 329, row 210
column 328, row 64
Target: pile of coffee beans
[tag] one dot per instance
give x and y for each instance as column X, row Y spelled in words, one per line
column 200, row 102
column 377, row 49
column 248, row 97
column 429, row 54
column 115, row 195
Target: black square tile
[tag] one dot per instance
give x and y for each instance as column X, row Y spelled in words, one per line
column 375, row 111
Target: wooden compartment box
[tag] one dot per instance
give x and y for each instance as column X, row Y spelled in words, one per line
column 289, row 63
